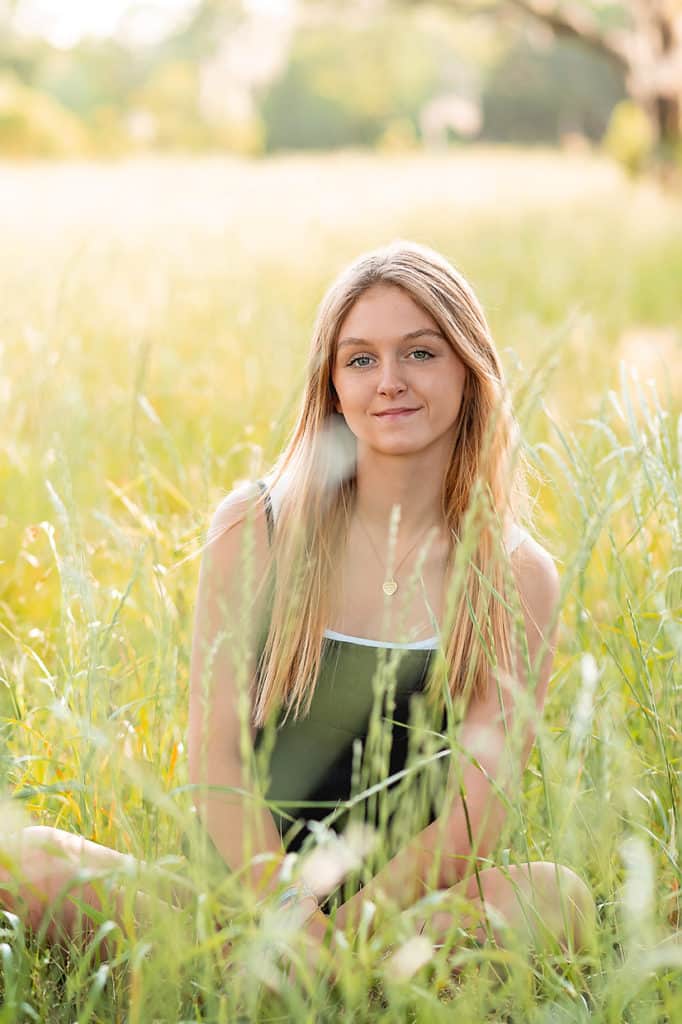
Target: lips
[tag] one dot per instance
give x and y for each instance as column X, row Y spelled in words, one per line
column 401, row 411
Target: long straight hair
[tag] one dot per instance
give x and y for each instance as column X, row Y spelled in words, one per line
column 483, row 491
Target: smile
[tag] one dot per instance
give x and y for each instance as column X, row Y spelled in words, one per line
column 396, row 414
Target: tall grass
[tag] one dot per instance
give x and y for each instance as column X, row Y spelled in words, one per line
column 151, row 353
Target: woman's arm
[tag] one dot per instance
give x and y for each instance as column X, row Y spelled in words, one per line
column 222, row 667
column 484, row 736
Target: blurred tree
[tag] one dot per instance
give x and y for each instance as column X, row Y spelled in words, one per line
column 641, row 37
column 122, row 94
column 218, row 95
column 164, row 112
column 22, row 55
column 204, row 30
column 539, row 93
column 33, row 124
column 95, row 73
column 350, row 84
column 629, row 139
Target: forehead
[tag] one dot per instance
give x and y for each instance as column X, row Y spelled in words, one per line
column 384, row 311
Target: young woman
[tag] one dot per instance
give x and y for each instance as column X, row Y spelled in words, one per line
column 361, row 601
column 360, row 615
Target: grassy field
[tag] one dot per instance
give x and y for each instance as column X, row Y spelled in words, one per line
column 153, row 327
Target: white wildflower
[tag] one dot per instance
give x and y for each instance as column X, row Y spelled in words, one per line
column 336, row 856
column 638, row 893
column 409, row 958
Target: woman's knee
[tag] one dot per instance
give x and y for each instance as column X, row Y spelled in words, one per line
column 552, row 900
column 36, row 839
column 48, row 879
column 43, row 861
column 29, row 853
column 33, row 867
column 579, row 900
column 543, row 901
column 48, row 836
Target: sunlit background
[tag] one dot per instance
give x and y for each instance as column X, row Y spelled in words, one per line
column 255, row 76
column 65, row 24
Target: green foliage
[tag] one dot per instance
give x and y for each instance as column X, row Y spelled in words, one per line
column 93, row 74
column 168, row 110
column 398, row 136
column 536, row 95
column 34, row 124
column 209, row 22
column 631, row 137
column 108, row 132
column 169, row 99
column 241, row 137
column 344, row 85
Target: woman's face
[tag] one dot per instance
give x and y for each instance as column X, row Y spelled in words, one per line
column 398, row 381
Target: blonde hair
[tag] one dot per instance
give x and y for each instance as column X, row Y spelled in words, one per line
column 483, row 488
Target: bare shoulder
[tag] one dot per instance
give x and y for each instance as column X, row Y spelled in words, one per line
column 235, row 506
column 537, row 581
column 230, row 523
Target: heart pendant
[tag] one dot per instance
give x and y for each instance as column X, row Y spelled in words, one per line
column 389, row 588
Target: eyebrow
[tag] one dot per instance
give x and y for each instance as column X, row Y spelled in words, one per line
column 406, row 337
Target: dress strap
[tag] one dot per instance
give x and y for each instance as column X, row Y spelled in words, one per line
column 262, row 487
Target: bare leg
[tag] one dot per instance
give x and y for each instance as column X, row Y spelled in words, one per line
column 541, row 903
column 41, row 871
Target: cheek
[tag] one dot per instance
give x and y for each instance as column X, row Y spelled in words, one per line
column 348, row 393
column 450, row 390
column 457, row 382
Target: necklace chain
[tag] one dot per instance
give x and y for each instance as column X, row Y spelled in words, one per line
column 390, row 586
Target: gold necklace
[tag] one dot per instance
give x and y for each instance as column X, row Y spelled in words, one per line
column 390, row 586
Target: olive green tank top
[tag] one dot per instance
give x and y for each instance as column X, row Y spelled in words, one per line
column 355, row 739
column 369, row 749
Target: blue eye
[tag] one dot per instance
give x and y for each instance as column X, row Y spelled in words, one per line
column 423, row 356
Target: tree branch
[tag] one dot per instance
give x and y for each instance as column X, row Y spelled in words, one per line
column 575, row 22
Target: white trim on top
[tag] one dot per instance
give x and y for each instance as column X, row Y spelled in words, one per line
column 419, row 645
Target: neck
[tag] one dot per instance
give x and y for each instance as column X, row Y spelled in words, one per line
column 413, row 482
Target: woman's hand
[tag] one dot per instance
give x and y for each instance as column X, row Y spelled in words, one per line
column 311, row 927
column 314, row 928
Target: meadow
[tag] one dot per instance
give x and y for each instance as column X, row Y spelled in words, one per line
column 154, row 322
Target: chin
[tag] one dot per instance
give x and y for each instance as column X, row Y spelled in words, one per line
column 399, row 448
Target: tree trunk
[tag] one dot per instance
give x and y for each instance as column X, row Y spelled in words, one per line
column 668, row 102
column 668, row 119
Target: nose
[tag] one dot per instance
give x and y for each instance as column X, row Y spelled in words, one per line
column 391, row 382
